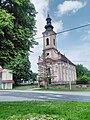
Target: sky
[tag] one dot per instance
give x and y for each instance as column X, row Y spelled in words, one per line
column 65, row 14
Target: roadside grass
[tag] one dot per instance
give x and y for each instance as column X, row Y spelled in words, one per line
column 44, row 110
column 53, row 87
column 50, row 89
column 64, row 89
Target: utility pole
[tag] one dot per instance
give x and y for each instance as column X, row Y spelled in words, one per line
column 70, row 85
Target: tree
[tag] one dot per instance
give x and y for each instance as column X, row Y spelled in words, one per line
column 82, row 71
column 34, row 77
column 83, row 80
column 21, row 69
column 6, row 45
column 83, row 75
column 16, row 36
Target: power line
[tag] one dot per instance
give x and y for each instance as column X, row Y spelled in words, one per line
column 73, row 28
column 80, row 61
column 67, row 30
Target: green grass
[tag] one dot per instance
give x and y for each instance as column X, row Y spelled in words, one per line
column 44, row 110
column 63, row 89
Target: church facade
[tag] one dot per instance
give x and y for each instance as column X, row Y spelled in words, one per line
column 53, row 66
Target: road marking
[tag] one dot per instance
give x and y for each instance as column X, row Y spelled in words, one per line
column 46, row 97
column 42, row 96
column 58, row 95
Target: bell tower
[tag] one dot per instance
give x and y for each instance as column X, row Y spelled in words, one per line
column 49, row 39
column 53, row 67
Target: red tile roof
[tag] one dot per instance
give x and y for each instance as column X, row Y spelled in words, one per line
column 1, row 69
column 7, row 81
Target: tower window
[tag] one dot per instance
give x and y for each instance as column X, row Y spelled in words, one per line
column 54, row 41
column 47, row 54
column 47, row 41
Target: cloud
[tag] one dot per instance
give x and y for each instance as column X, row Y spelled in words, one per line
column 41, row 7
column 65, row 34
column 86, row 37
column 79, row 54
column 70, row 7
column 58, row 26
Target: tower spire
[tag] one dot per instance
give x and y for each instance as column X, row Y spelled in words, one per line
column 48, row 16
column 48, row 25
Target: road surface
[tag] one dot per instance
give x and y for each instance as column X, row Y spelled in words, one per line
column 28, row 95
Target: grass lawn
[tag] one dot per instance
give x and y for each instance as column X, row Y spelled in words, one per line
column 44, row 110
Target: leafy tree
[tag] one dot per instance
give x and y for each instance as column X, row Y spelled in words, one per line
column 6, row 45
column 34, row 77
column 83, row 80
column 82, row 71
column 21, row 68
column 17, row 28
column 83, row 75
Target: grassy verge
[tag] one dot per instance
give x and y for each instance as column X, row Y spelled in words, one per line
column 63, row 89
column 51, row 89
column 44, row 110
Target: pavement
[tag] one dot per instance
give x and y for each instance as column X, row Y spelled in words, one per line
column 29, row 95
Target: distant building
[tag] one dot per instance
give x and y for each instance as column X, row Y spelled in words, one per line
column 53, row 65
column 6, row 79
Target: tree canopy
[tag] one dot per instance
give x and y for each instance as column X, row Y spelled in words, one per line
column 6, row 45
column 17, row 28
column 83, row 74
column 81, row 70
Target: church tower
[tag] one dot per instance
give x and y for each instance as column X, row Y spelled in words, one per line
column 53, row 66
column 49, row 39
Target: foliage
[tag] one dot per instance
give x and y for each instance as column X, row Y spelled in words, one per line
column 81, row 70
column 33, row 77
column 6, row 45
column 17, row 28
column 21, row 68
column 45, row 110
column 83, row 75
column 83, row 80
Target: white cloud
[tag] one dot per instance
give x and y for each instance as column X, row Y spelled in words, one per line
column 70, row 6
column 79, row 54
column 86, row 37
column 41, row 7
column 58, row 26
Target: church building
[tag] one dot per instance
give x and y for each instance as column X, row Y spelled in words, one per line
column 53, row 66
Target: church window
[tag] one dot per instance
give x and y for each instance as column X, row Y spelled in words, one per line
column 47, row 41
column 48, row 71
column 47, row 54
column 54, row 41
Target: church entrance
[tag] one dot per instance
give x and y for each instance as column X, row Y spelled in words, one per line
column 49, row 80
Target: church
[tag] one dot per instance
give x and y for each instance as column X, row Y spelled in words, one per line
column 53, row 66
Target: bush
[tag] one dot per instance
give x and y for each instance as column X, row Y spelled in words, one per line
column 83, row 80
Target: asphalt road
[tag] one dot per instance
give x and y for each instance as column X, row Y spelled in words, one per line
column 21, row 95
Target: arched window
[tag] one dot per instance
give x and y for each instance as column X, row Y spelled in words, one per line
column 47, row 54
column 47, row 41
column 48, row 71
column 54, row 41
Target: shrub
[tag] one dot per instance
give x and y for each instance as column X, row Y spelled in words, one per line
column 83, row 80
